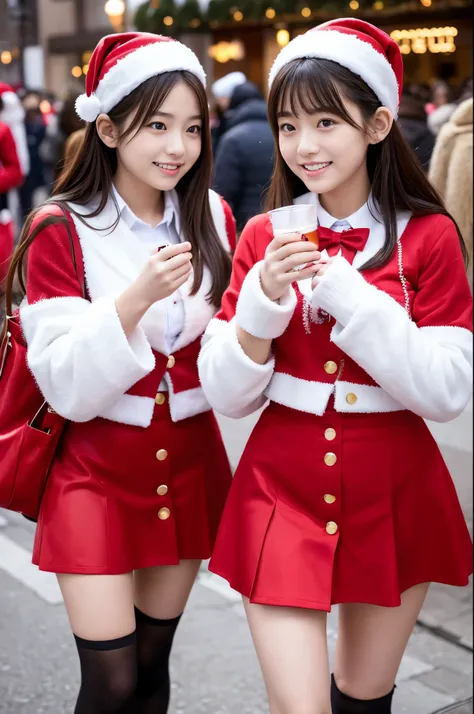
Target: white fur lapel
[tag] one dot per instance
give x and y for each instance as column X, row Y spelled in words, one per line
column 113, row 259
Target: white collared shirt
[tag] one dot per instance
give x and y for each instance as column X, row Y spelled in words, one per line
column 167, row 232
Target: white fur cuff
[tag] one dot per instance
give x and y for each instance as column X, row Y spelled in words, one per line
column 257, row 314
column 340, row 290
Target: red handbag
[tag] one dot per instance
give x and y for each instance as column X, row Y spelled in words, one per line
column 29, row 429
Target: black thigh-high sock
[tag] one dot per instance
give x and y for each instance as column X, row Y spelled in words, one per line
column 343, row 704
column 109, row 675
column 154, row 641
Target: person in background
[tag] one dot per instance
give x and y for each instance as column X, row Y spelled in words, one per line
column 11, row 176
column 412, row 120
column 443, row 100
column 13, row 115
column 451, row 170
column 60, row 127
column 35, row 132
column 244, row 159
column 222, row 91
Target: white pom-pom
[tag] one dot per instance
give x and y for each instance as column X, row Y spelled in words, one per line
column 88, row 108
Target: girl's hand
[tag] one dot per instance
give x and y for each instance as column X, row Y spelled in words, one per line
column 163, row 274
column 282, row 256
column 319, row 271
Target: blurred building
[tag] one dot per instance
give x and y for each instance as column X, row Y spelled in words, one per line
column 435, row 36
column 58, row 36
column 65, row 33
column 19, row 42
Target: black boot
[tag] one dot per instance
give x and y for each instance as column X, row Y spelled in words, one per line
column 343, row 704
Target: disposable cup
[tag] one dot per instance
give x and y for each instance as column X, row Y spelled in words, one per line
column 296, row 219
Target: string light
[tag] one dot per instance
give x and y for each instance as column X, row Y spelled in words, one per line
column 168, row 20
column 354, row 5
column 378, row 5
column 6, row 57
column 85, row 69
column 238, row 16
column 306, row 12
column 426, row 3
column 76, row 71
column 270, row 13
column 195, row 23
column 422, row 40
column 282, row 37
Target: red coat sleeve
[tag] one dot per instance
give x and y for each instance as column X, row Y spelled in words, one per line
column 244, row 260
column 443, row 297
column 10, row 171
column 50, row 268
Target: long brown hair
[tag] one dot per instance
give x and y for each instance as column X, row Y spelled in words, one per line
column 91, row 172
column 398, row 181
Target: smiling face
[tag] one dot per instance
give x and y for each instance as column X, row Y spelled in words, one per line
column 322, row 149
column 324, row 119
column 168, row 145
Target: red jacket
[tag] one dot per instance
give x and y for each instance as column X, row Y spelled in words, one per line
column 77, row 350
column 396, row 337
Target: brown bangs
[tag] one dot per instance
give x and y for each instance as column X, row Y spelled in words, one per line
column 306, row 86
column 153, row 93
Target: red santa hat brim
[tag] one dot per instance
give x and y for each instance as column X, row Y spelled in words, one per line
column 132, row 70
column 351, row 52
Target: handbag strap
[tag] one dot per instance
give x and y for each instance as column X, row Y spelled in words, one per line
column 78, row 263
column 76, row 255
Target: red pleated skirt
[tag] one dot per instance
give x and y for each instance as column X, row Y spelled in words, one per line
column 340, row 508
column 120, row 498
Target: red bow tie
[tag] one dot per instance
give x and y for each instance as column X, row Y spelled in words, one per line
column 350, row 242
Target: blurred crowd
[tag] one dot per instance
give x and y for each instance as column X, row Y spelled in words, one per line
column 436, row 121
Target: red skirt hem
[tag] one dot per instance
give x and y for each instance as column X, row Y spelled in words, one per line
column 324, row 606
column 102, row 570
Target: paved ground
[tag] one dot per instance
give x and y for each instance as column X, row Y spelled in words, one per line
column 214, row 665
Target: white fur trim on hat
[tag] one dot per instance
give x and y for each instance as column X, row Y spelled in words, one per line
column 349, row 51
column 134, row 69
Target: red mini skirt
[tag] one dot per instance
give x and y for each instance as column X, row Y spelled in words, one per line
column 120, row 498
column 340, row 508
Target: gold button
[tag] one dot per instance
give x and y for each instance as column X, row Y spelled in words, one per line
column 330, row 458
column 162, row 490
column 330, row 434
column 330, row 367
column 164, row 514
column 329, row 498
column 331, row 528
column 171, row 362
column 162, row 454
column 160, row 399
column 351, row 398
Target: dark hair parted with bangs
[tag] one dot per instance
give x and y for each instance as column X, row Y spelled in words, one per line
column 91, row 172
column 397, row 179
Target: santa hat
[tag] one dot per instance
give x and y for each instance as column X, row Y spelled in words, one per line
column 225, row 86
column 357, row 45
column 13, row 115
column 123, row 61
